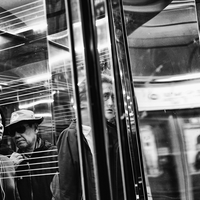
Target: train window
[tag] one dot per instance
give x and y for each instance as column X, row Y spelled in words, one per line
column 164, row 55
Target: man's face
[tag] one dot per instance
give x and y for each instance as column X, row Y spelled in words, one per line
column 109, row 106
column 25, row 137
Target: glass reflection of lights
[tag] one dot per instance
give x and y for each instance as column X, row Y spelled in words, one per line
column 72, row 100
column 28, row 105
column 38, row 78
column 53, row 93
column 43, row 115
column 54, row 59
column 179, row 78
column 39, row 28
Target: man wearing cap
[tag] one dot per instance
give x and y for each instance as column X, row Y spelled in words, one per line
column 35, row 160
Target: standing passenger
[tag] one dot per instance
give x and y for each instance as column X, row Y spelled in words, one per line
column 38, row 162
column 109, row 110
column 68, row 156
column 69, row 165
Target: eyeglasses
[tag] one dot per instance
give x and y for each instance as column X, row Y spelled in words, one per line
column 106, row 96
column 1, row 127
column 21, row 129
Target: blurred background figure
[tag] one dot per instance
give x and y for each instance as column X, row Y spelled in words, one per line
column 7, row 171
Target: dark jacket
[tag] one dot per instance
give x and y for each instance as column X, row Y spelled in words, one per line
column 69, row 165
column 35, row 173
column 7, row 184
column 116, row 178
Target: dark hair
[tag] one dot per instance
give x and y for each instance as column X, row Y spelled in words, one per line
column 106, row 79
column 82, row 85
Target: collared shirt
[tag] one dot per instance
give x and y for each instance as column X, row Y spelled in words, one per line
column 88, row 136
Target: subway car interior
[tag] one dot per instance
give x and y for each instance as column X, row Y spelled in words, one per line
column 150, row 51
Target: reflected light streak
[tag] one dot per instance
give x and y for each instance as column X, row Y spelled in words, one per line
column 43, row 115
column 39, row 28
column 79, row 48
column 72, row 101
column 38, row 78
column 4, row 84
column 36, row 28
column 102, row 26
column 179, row 78
column 53, row 93
column 24, row 106
column 54, row 59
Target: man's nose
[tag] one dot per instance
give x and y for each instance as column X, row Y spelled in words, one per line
column 17, row 135
column 110, row 100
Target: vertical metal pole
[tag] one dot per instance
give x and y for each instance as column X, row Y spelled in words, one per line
column 127, row 172
column 128, row 63
column 95, row 99
column 85, row 187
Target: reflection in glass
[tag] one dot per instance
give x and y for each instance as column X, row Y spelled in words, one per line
column 34, row 76
column 164, row 53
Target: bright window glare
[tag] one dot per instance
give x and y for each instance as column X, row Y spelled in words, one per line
column 38, row 78
column 28, row 105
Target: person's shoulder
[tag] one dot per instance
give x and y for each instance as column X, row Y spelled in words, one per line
column 68, row 132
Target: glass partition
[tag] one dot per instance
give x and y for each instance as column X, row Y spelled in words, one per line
column 35, row 76
column 114, row 90
column 164, row 55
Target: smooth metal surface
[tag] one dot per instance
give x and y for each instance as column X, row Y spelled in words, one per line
column 95, row 98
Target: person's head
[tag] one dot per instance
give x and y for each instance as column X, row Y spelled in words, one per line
column 108, row 97
column 24, row 128
column 2, row 124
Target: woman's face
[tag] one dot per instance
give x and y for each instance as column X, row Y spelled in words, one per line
column 1, row 128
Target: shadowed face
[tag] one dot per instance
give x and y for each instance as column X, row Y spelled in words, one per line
column 108, row 96
column 25, row 137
